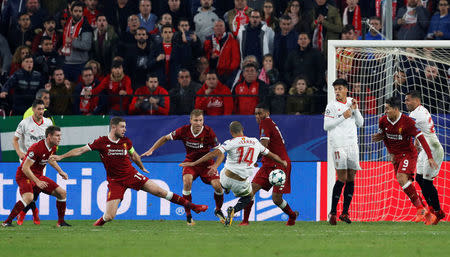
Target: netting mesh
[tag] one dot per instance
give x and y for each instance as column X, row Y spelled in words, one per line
column 375, row 74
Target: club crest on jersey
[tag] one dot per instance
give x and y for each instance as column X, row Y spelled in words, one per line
column 400, row 130
column 125, row 146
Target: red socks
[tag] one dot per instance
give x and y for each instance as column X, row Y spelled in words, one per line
column 219, row 200
column 18, row 207
column 61, row 207
column 411, row 192
column 189, row 199
column 247, row 211
column 287, row 209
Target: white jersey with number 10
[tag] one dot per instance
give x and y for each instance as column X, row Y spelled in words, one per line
column 242, row 154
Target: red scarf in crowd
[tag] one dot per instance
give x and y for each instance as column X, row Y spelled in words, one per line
column 73, row 32
column 318, row 36
column 241, row 18
column 356, row 22
column 216, row 43
column 91, row 17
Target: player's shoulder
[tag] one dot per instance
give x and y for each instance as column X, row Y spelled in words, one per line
column 47, row 121
column 125, row 140
column 101, row 139
column 267, row 122
column 38, row 146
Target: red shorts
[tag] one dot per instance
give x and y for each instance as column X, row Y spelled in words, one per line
column 116, row 188
column 28, row 186
column 202, row 172
column 262, row 178
column 405, row 164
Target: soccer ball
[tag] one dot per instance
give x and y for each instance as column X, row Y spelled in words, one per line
column 277, row 177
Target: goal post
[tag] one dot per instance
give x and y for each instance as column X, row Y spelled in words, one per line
column 376, row 70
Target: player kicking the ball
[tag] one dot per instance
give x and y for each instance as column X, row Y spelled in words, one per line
column 397, row 131
column 115, row 150
column 242, row 154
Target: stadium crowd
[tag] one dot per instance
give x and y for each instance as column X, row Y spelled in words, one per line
column 164, row 57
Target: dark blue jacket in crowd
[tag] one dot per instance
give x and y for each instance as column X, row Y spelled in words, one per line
column 279, row 54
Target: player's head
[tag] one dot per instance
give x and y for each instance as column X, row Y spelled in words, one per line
column 53, row 135
column 197, row 119
column 412, row 100
column 261, row 112
column 38, row 108
column 236, row 129
column 340, row 89
column 117, row 126
column 392, row 107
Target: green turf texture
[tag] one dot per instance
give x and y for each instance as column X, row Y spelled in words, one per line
column 209, row 238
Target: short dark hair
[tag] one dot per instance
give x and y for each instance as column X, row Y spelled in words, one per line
column 87, row 69
column 117, row 64
column 285, row 17
column 115, row 121
column 375, row 18
column 415, row 94
column 211, row 71
column 340, row 82
column 37, row 102
column 28, row 56
column 263, row 106
column 183, row 19
column 151, row 75
column 48, row 18
column 258, row 11
column 236, row 127
column 51, row 130
column 347, row 28
column 101, row 15
column 142, row 28
column 22, row 14
column 75, row 4
column 45, row 38
column 394, row 102
column 166, row 26
column 184, row 70
column 250, row 65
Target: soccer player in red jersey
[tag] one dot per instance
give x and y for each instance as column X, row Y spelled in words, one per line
column 397, row 131
column 30, row 178
column 115, row 150
column 198, row 139
column 270, row 137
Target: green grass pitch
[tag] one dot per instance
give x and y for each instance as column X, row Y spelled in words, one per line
column 209, row 238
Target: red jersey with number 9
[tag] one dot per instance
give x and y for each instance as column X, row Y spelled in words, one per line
column 269, row 130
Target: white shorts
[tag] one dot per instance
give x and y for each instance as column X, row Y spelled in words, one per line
column 346, row 158
column 239, row 188
column 424, row 168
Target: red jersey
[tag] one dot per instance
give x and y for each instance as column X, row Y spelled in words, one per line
column 39, row 153
column 114, row 156
column 270, row 131
column 196, row 145
column 399, row 135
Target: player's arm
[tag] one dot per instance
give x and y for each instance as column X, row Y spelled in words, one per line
column 380, row 135
column 17, row 148
column 161, row 141
column 206, row 157
column 359, row 120
column 137, row 159
column 331, row 120
column 72, row 153
column 427, row 150
column 56, row 166
column 277, row 158
column 26, row 168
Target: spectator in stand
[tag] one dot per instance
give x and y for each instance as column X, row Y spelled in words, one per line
column 36, row 13
column 60, row 94
column 77, row 41
column 352, row 15
column 440, row 23
column 306, row 61
column 256, row 90
column 255, row 32
column 222, row 51
column 49, row 31
column 44, row 95
column 178, row 9
column 9, row 14
column 24, row 84
column 374, row 31
column 118, row 87
column 91, row 12
column 21, row 34
column 46, row 60
column 268, row 73
column 104, row 43
column 128, row 39
column 151, row 99
column 213, row 97
column 188, row 45
column 269, row 15
column 300, row 19
column 237, row 77
column 137, row 58
column 276, row 100
column 284, row 42
column 86, row 104
column 17, row 58
column 205, row 19
column 5, row 56
column 166, row 19
column 201, row 69
column 118, row 14
column 146, row 18
column 411, row 22
column 237, row 17
column 96, row 69
column 182, row 98
column 300, row 99
column 327, row 24
column 348, row 32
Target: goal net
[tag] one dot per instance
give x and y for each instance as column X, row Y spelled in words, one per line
column 375, row 71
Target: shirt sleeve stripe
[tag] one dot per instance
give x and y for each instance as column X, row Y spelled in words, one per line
column 90, row 149
column 267, row 138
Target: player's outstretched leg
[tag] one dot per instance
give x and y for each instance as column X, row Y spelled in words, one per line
column 337, row 190
column 34, row 209
column 411, row 192
column 284, row 206
column 61, row 206
column 18, row 207
column 110, row 213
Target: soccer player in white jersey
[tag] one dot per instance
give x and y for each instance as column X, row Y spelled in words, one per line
column 425, row 173
column 342, row 116
column 29, row 131
column 242, row 154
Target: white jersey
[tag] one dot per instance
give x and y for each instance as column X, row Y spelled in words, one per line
column 30, row 132
column 425, row 123
column 242, row 154
column 342, row 131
